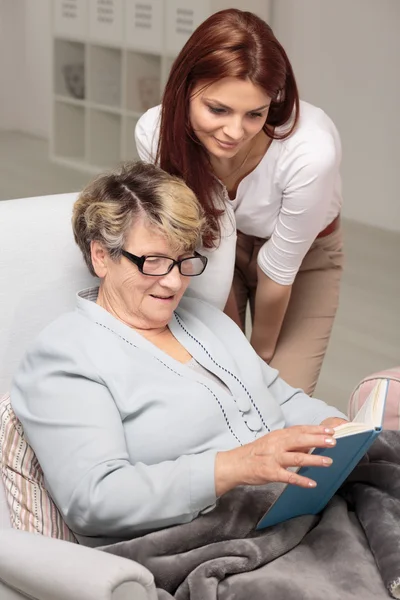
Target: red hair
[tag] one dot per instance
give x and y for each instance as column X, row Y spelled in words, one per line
column 230, row 43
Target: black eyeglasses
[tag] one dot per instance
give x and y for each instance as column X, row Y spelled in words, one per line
column 156, row 266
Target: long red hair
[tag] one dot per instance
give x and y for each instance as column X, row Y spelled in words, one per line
column 230, row 43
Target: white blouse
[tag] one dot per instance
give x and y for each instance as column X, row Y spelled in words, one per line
column 292, row 195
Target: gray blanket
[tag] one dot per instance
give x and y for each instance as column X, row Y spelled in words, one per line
column 351, row 551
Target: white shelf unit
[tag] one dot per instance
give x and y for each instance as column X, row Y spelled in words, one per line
column 111, row 59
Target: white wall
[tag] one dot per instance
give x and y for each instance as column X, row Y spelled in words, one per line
column 346, row 56
column 25, row 66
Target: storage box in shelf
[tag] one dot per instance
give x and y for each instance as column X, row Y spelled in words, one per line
column 143, row 81
column 105, row 76
column 69, row 69
column 70, row 18
column 69, row 131
column 106, row 18
column 181, row 18
column 144, row 25
column 104, row 134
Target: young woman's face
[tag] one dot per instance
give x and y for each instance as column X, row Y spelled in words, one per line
column 227, row 114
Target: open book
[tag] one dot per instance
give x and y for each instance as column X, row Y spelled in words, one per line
column 352, row 441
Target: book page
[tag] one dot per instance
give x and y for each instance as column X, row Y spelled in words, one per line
column 365, row 414
column 370, row 415
column 372, row 410
column 350, row 428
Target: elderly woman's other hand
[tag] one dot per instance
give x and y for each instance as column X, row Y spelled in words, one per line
column 333, row 422
column 268, row 458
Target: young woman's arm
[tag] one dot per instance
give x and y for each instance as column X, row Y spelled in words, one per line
column 308, row 180
column 231, row 309
column 271, row 302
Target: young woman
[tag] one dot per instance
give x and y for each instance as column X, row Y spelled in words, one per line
column 232, row 126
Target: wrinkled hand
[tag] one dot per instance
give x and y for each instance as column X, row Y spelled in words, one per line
column 268, row 458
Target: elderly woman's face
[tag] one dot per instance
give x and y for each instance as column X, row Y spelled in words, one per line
column 141, row 301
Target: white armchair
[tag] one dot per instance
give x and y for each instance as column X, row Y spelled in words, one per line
column 40, row 272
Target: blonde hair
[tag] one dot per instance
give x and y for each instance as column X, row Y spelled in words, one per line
column 108, row 207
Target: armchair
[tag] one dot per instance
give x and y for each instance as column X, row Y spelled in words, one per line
column 40, row 271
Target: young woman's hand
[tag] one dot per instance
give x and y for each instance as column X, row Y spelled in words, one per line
column 268, row 458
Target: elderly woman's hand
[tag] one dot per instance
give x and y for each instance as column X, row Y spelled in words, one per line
column 268, row 458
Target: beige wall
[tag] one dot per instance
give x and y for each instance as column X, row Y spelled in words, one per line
column 25, row 66
column 346, row 56
column 12, row 44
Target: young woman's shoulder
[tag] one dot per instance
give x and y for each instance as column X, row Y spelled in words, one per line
column 147, row 133
column 315, row 141
column 150, row 120
column 314, row 129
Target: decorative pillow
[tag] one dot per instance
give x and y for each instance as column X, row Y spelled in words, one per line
column 31, row 507
column 391, row 419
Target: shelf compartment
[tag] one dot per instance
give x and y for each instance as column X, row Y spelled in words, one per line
column 105, row 78
column 168, row 62
column 69, row 69
column 104, row 138
column 143, row 81
column 69, row 131
column 69, row 100
column 130, row 152
column 144, row 25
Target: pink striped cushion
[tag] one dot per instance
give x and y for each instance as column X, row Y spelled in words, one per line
column 31, row 507
column 392, row 409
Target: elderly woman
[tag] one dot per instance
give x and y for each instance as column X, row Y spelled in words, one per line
column 144, row 406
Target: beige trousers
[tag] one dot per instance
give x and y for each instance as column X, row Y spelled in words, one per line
column 307, row 326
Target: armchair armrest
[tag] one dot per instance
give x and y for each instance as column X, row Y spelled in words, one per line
column 44, row 568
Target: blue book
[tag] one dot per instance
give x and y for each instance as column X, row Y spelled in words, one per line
column 352, row 441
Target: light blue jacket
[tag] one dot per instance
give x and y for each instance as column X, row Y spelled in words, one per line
column 125, row 434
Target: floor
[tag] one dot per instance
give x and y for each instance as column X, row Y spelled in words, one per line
column 366, row 335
